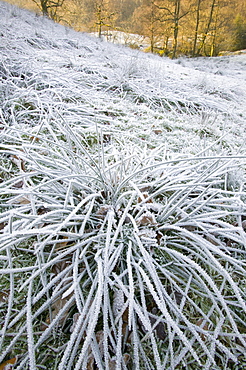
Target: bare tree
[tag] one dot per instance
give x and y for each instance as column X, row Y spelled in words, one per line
column 103, row 15
column 146, row 19
column 95, row 15
column 174, row 15
column 198, row 8
column 208, row 26
column 49, row 7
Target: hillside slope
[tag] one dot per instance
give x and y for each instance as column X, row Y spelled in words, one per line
column 45, row 66
column 122, row 204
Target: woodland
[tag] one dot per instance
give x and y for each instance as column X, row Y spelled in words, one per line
column 172, row 27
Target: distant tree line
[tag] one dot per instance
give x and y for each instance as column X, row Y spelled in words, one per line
column 173, row 27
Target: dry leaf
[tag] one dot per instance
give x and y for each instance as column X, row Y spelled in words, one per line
column 159, row 237
column 146, row 218
column 144, row 196
column 7, row 365
column 75, row 319
column 4, row 295
column 212, row 239
column 56, row 308
column 102, row 211
column 204, row 326
column 91, row 359
column 42, row 210
column 159, row 328
column 90, row 363
column 62, row 244
column 118, row 302
column 2, row 225
column 145, row 188
column 34, row 138
column 59, row 303
column 59, row 266
column 148, row 237
column 21, row 200
column 189, row 227
column 19, row 184
column 111, row 362
column 106, row 138
column 174, row 294
column 18, row 162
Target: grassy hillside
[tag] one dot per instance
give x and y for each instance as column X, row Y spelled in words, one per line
column 123, row 216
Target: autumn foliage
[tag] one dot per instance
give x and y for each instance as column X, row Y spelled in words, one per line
column 172, row 27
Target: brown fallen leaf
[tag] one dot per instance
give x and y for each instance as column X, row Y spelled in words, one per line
column 7, row 365
column 106, row 138
column 91, row 359
column 75, row 319
column 143, row 196
column 18, row 162
column 2, row 225
column 20, row 200
column 55, row 309
column 4, row 295
column 61, row 244
column 146, row 218
column 42, row 210
column 112, row 362
column 59, row 303
column 59, row 266
column 204, row 326
column 159, row 237
column 102, row 211
column 18, row 185
column 34, row 138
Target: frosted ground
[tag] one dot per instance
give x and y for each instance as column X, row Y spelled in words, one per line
column 140, row 98
column 122, row 225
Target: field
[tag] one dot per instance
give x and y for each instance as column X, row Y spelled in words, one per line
column 123, row 215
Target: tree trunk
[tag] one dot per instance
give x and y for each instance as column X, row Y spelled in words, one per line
column 197, row 27
column 99, row 19
column 212, row 51
column 152, row 29
column 44, row 7
column 176, row 28
column 166, row 45
column 208, row 26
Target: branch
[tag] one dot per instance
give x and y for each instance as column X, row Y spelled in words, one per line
column 55, row 4
column 164, row 8
column 38, row 4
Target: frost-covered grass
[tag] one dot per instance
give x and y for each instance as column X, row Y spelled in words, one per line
column 122, row 204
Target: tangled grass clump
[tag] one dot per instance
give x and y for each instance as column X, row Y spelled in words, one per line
column 119, row 259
